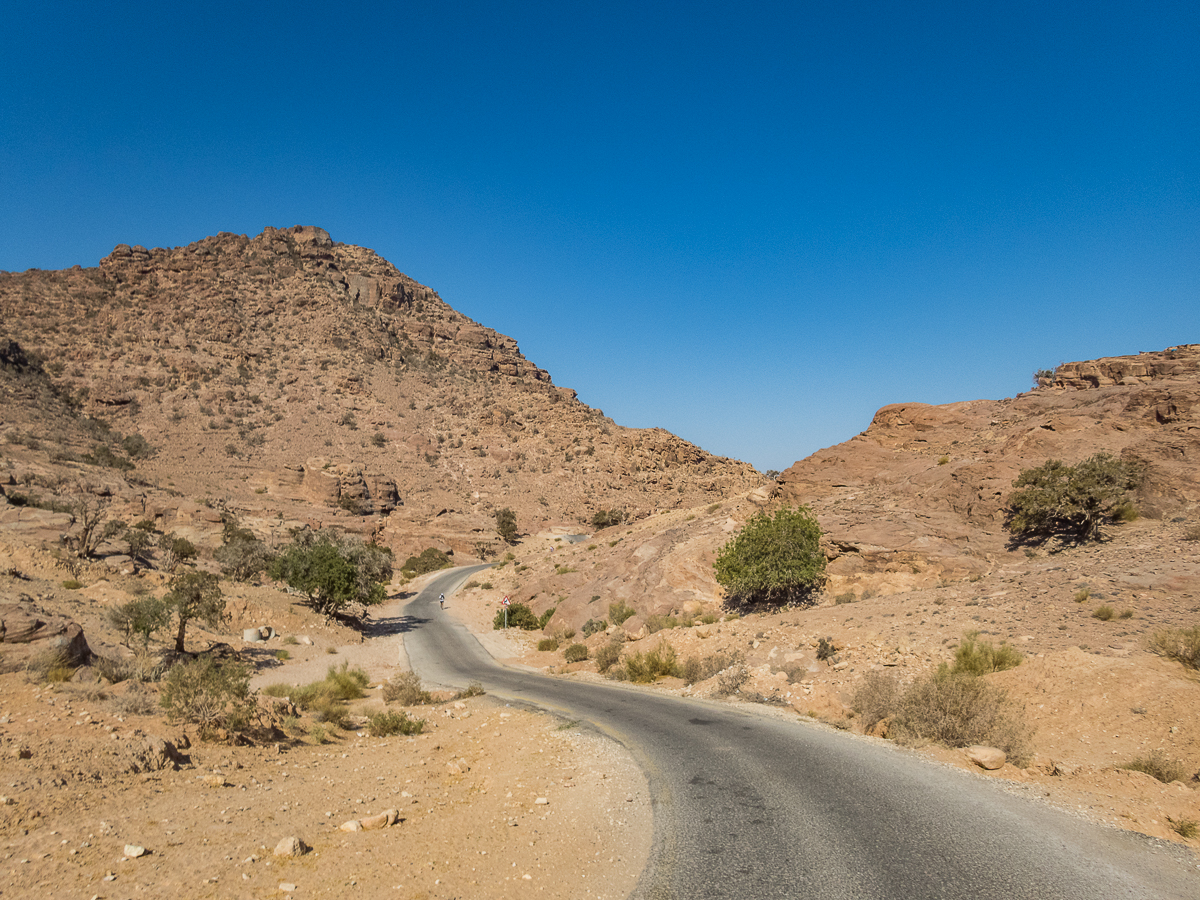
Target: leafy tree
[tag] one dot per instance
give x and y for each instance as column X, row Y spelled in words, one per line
column 195, row 595
column 430, row 560
column 175, row 550
column 334, row 571
column 211, row 693
column 773, row 559
column 1071, row 501
column 506, row 525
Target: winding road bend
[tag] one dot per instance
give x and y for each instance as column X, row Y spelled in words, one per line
column 753, row 806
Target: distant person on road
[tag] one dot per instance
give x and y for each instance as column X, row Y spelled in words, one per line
column 442, row 600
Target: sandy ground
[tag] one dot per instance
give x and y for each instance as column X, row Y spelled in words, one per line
column 493, row 801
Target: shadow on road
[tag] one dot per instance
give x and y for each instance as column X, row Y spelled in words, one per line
column 387, row 625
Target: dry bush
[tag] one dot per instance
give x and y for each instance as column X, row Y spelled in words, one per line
column 701, row 668
column 607, row 656
column 731, row 679
column 49, row 666
column 654, row 663
column 959, row 710
column 137, row 701
column 576, row 653
column 1179, row 644
column 1103, row 613
column 876, row 697
column 1158, row 765
column 547, row 644
column 383, row 724
column 405, row 689
column 211, row 694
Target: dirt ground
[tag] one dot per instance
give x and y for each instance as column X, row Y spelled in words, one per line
column 492, row 801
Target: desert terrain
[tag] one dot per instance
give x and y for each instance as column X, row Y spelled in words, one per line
column 286, row 381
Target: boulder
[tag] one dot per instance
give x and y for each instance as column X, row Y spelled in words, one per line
column 291, row 846
column 986, row 757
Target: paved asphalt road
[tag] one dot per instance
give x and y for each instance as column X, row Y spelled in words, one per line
column 751, row 806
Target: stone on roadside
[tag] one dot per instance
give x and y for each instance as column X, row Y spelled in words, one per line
column 133, row 851
column 986, row 757
column 352, row 825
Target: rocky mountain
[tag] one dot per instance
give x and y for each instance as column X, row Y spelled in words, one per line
column 294, row 379
column 919, row 496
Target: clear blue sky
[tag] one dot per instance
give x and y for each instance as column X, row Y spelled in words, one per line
column 752, row 224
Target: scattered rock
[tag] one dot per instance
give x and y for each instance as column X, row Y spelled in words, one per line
column 291, row 846
column 352, row 825
column 133, row 851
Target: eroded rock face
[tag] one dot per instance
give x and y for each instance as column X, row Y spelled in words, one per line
column 921, row 495
column 325, row 483
column 21, row 624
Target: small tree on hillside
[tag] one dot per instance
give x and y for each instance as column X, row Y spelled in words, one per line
column 334, row 571
column 1071, row 501
column 506, row 525
column 773, row 559
column 242, row 555
column 195, row 595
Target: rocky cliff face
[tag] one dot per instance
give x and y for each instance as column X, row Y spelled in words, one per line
column 920, row 496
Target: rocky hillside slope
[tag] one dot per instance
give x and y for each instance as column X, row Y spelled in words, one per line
column 292, row 378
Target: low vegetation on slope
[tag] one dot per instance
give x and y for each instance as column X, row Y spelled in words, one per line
column 774, row 560
column 1072, row 502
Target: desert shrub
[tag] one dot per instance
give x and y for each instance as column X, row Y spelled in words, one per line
column 431, row 559
column 654, row 663
column 1192, row 534
column 209, row 693
column 1071, row 501
column 1125, row 614
column 102, row 455
column 825, row 649
column 708, row 619
column 607, row 656
column 138, row 701
column 473, row 689
column 731, row 679
column 576, row 653
column 334, row 571
column 619, row 611
column 340, row 683
column 140, row 618
column 72, row 584
column 701, row 668
column 1158, row 765
column 548, row 644
column 606, row 518
column 136, row 447
column 405, row 689
column 319, row 734
column 846, row 597
column 519, row 616
column 1185, row 828
column 175, row 550
column 773, row 559
column 976, row 657
column 959, row 710
column 49, row 666
column 242, row 555
column 656, row 623
column 1179, row 644
column 1082, row 594
column 1103, row 613
column 875, row 698
column 387, row 723
column 506, row 525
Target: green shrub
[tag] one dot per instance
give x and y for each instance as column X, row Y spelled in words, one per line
column 1185, row 828
column 242, row 555
column 547, row 644
column 209, row 693
column 576, row 653
column 607, row 656
column 1071, row 501
column 962, row 710
column 194, row 595
column 773, row 559
column 519, row 616
column 976, row 657
column 506, row 525
column 593, row 626
column 1082, row 595
column 1179, row 644
column 72, row 585
column 1158, row 765
column 1103, row 613
column 619, row 611
column 387, row 723
column 606, row 518
column 430, row 560
column 654, row 663
column 405, row 689
column 826, row 649
column 140, row 617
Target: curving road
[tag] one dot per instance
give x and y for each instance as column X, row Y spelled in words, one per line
column 751, row 806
